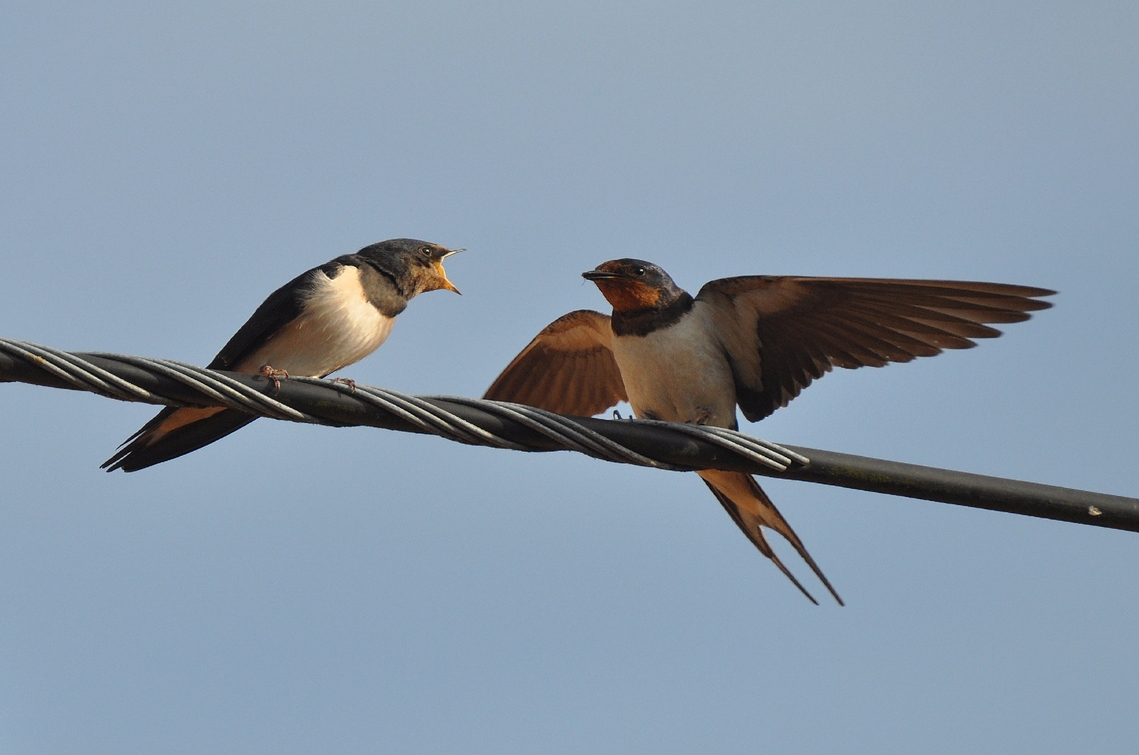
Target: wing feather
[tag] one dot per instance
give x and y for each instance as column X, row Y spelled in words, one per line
column 784, row 332
column 280, row 308
column 568, row 368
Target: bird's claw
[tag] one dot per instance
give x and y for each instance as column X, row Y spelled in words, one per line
column 347, row 381
column 703, row 418
column 268, row 371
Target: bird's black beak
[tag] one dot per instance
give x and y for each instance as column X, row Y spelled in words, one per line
column 600, row 275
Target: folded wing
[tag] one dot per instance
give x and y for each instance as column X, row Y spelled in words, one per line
column 281, row 307
column 176, row 431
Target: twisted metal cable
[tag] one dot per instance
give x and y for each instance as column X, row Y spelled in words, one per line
column 423, row 413
column 760, row 450
column 215, row 385
column 418, row 412
column 562, row 431
column 79, row 372
column 662, row 445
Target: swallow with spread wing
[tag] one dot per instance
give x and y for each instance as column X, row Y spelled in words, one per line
column 322, row 320
column 754, row 342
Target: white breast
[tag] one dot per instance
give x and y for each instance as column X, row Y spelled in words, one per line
column 337, row 327
column 679, row 373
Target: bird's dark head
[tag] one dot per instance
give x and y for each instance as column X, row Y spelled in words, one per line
column 632, row 285
column 415, row 266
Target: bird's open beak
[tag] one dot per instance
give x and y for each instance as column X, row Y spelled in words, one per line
column 443, row 282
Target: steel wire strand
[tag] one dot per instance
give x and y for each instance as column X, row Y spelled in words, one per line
column 217, row 388
column 529, row 429
column 760, row 451
column 563, row 431
column 422, row 414
column 77, row 371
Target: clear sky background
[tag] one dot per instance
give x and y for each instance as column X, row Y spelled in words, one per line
column 297, row 589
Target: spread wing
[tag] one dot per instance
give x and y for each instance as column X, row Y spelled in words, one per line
column 568, row 368
column 783, row 332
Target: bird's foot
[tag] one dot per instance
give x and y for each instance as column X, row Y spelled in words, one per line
column 267, row 371
column 617, row 415
column 347, row 381
column 705, row 417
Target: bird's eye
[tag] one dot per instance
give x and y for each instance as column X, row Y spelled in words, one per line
column 638, row 271
column 425, row 250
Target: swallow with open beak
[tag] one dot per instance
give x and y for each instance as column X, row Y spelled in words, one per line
column 754, row 342
column 322, row 320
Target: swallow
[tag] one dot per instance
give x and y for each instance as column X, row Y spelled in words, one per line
column 751, row 342
column 324, row 319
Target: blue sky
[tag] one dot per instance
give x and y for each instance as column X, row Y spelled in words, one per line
column 305, row 589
